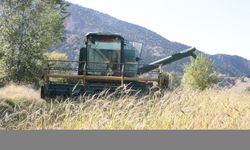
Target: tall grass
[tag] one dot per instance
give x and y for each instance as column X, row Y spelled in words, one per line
column 179, row 109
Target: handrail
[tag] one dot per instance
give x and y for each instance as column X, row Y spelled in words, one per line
column 130, row 63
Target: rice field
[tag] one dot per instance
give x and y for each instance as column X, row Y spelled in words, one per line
column 22, row 109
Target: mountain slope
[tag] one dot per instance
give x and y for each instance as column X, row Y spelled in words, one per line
column 231, row 65
column 83, row 20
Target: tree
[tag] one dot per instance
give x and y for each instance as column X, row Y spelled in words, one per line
column 28, row 28
column 200, row 73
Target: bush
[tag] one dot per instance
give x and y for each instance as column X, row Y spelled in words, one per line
column 200, row 73
column 175, row 80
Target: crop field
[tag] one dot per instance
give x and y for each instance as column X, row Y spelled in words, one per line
column 22, row 109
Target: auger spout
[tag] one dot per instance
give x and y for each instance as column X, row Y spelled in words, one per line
column 167, row 60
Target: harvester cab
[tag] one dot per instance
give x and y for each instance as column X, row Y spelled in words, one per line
column 105, row 55
column 106, row 62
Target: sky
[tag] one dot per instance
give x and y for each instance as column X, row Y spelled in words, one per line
column 212, row 26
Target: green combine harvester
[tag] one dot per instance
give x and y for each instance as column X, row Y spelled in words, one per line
column 106, row 62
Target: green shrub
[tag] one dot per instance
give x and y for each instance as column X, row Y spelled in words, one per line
column 175, row 80
column 200, row 73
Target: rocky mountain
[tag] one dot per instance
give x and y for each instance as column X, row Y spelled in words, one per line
column 83, row 20
column 231, row 65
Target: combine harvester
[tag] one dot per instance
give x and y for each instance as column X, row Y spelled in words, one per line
column 106, row 62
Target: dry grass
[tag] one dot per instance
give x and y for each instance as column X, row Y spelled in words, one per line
column 19, row 92
column 179, row 109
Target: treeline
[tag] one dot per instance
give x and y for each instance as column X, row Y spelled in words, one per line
column 28, row 28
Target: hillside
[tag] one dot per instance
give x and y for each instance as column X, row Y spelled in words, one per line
column 83, row 20
column 232, row 65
